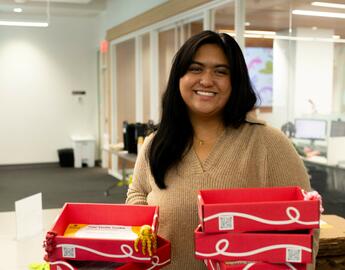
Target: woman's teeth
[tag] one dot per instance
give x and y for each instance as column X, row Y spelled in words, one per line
column 204, row 93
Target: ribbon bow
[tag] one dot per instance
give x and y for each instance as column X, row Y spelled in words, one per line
column 313, row 196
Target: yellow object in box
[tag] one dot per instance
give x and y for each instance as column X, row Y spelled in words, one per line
column 116, row 232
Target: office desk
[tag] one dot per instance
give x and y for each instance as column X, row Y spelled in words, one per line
column 125, row 158
column 329, row 181
column 336, row 173
column 18, row 254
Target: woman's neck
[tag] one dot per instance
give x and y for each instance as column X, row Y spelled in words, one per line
column 207, row 131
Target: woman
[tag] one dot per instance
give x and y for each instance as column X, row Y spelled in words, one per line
column 208, row 139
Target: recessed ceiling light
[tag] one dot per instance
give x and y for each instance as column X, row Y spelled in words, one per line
column 246, row 23
column 336, row 36
column 314, row 28
column 318, row 13
column 330, row 5
column 18, row 10
column 32, row 24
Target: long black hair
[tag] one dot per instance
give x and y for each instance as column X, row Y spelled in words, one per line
column 175, row 132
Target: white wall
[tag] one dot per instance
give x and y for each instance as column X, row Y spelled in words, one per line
column 39, row 67
column 314, row 73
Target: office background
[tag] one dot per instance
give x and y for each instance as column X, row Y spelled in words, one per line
column 119, row 52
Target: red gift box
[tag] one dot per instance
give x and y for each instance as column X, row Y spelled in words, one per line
column 160, row 259
column 62, row 248
column 257, row 209
column 215, row 265
column 273, row 247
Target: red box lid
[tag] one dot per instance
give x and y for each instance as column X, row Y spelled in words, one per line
column 257, row 209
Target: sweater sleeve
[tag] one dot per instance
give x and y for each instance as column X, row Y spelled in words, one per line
column 284, row 166
column 140, row 186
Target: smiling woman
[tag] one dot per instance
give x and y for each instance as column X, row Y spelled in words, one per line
column 208, row 138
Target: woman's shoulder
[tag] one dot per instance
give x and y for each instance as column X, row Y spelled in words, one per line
column 268, row 133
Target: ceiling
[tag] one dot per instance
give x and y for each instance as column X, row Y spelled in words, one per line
column 57, row 7
column 275, row 15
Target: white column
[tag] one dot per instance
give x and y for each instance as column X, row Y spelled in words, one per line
column 113, row 97
column 154, row 76
column 139, row 98
column 208, row 22
column 240, row 12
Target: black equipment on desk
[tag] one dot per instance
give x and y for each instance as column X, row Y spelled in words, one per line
column 131, row 133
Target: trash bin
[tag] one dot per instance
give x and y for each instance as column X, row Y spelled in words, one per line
column 84, row 151
column 66, row 157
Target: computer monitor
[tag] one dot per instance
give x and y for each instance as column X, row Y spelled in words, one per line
column 337, row 129
column 311, row 129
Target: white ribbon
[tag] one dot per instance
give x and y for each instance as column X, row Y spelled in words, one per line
column 225, row 243
column 248, row 266
column 291, row 212
column 63, row 263
column 155, row 262
column 126, row 253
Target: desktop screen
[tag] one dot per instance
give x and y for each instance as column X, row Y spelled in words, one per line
column 337, row 129
column 312, row 129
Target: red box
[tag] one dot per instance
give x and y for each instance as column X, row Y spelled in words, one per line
column 159, row 260
column 273, row 247
column 215, row 265
column 88, row 249
column 257, row 209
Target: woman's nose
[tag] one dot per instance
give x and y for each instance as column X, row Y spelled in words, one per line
column 206, row 79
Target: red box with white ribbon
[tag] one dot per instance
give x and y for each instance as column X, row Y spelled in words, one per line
column 160, row 259
column 272, row 247
column 84, row 245
column 257, row 209
column 215, row 265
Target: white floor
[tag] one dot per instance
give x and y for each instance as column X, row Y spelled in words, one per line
column 17, row 255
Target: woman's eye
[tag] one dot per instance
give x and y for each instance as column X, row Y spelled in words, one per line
column 222, row 71
column 194, row 69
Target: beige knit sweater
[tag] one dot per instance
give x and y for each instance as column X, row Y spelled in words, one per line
column 254, row 155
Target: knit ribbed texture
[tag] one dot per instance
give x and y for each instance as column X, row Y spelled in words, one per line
column 253, row 155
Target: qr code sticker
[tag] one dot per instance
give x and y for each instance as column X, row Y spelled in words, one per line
column 294, row 255
column 68, row 252
column 226, row 222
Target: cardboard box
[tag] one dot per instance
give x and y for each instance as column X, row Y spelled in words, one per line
column 88, row 249
column 215, row 265
column 273, row 247
column 257, row 209
column 331, row 253
column 332, row 236
column 159, row 260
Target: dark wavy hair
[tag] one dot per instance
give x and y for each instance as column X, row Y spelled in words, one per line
column 174, row 135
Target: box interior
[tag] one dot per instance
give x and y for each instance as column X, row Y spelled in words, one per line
column 104, row 214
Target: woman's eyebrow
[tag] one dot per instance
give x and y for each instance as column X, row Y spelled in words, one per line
column 217, row 65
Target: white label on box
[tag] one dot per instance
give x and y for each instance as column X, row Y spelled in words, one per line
column 68, row 252
column 116, row 232
column 294, row 255
column 226, row 222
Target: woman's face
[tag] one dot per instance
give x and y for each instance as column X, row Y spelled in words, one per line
column 206, row 86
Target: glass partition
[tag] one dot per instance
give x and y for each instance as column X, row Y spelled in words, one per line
column 125, row 84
